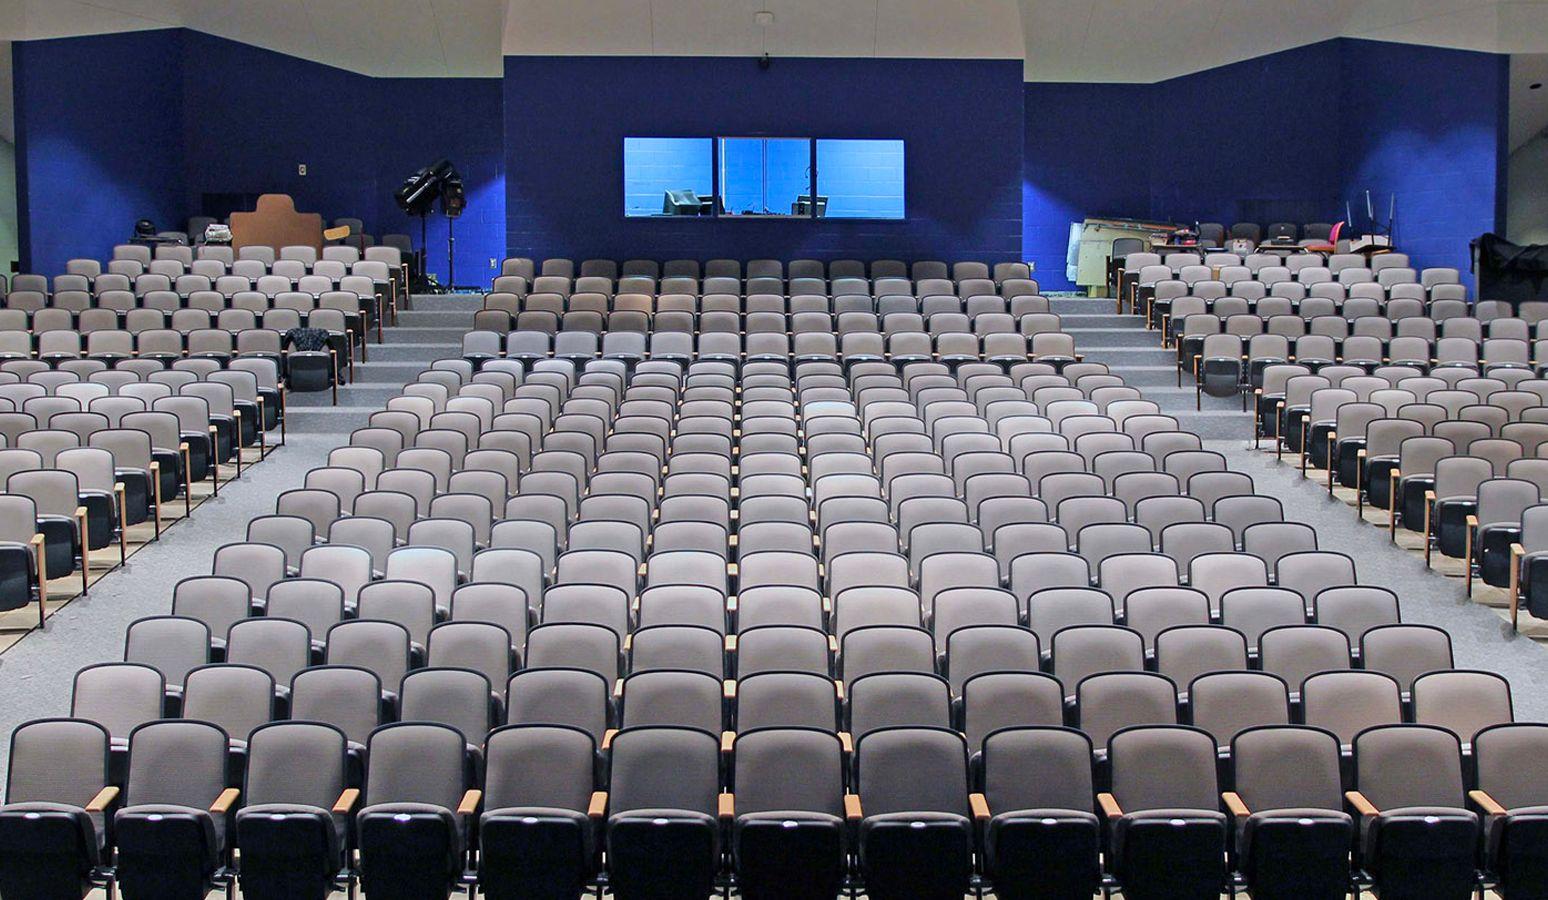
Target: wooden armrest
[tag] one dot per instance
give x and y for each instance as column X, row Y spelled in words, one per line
column 1472, row 521
column 727, row 806
column 469, row 804
column 730, row 643
column 607, row 738
column 728, row 689
column 598, row 806
column 1486, row 803
column 980, row 806
column 103, row 800
column 1516, row 550
column 846, row 741
column 225, row 801
column 852, row 810
column 346, row 801
column 1360, row 453
column 80, row 512
column 1234, row 805
column 1429, row 496
column 1109, row 804
column 37, row 541
column 727, row 741
column 1361, row 805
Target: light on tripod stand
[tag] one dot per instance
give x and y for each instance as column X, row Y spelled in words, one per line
column 417, row 197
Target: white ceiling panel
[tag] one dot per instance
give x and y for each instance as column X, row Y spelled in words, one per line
column 981, row 29
column 578, row 27
column 1058, row 40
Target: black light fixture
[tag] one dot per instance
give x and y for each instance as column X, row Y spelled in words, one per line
column 417, row 196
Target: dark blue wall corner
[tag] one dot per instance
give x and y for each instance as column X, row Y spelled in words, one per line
column 1086, row 154
column 1253, row 141
column 1290, row 136
column 566, row 118
column 99, row 142
column 160, row 124
column 423, row 120
column 1426, row 125
column 254, row 116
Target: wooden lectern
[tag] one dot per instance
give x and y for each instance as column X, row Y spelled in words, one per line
column 275, row 223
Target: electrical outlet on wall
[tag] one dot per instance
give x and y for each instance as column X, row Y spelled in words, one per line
column 301, row 169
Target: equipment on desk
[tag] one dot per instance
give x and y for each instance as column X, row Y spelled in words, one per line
column 684, row 203
column 803, row 206
column 1184, row 236
column 1088, row 262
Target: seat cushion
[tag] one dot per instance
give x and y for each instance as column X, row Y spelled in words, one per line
column 91, row 825
column 339, row 822
column 214, row 826
column 579, row 819
column 1313, row 815
column 455, row 823
column 1370, row 829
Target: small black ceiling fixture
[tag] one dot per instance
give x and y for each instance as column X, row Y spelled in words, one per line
column 1535, row 86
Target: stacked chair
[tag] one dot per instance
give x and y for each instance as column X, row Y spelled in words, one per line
column 673, row 626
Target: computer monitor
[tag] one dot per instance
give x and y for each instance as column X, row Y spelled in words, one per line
column 681, row 203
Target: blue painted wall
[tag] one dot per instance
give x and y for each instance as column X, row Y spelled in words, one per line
column 1086, row 155
column 255, row 115
column 566, row 118
column 98, row 142
column 114, row 127
column 1285, row 137
column 1428, row 125
column 421, row 120
column 1255, row 141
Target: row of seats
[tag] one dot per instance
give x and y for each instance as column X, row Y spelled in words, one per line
column 759, row 268
column 220, row 277
column 1001, row 348
column 779, row 812
column 1215, row 234
column 27, row 291
column 49, row 355
column 641, row 285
